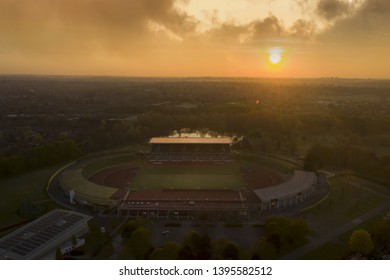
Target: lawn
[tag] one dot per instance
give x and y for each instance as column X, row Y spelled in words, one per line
column 282, row 166
column 29, row 186
column 328, row 251
column 189, row 177
column 347, row 200
column 367, row 225
column 97, row 164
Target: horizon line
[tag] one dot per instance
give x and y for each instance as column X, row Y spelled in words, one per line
column 192, row 77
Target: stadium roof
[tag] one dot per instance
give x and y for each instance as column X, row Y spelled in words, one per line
column 41, row 235
column 190, row 140
column 300, row 182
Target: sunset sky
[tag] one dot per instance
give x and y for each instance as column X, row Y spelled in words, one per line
column 235, row 38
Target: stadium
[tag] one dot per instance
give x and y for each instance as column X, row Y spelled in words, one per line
column 184, row 178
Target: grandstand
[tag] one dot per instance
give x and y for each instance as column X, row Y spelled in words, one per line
column 190, row 149
column 300, row 187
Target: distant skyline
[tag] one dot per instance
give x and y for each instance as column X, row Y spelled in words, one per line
column 184, row 38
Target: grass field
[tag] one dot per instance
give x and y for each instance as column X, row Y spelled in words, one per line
column 30, row 186
column 338, row 248
column 189, row 177
column 273, row 163
column 328, row 251
column 103, row 162
column 347, row 200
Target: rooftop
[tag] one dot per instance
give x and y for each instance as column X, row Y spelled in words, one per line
column 298, row 183
column 190, row 140
column 31, row 240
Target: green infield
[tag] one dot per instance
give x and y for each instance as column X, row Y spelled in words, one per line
column 189, row 177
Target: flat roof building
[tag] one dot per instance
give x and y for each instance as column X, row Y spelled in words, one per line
column 190, row 149
column 43, row 235
column 190, row 140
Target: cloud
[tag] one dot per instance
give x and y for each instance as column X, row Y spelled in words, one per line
column 244, row 34
column 333, row 9
column 267, row 27
column 47, row 25
column 303, row 29
column 368, row 24
column 304, row 5
column 227, row 33
column 150, row 37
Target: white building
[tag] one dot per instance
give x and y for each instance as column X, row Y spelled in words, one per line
column 298, row 188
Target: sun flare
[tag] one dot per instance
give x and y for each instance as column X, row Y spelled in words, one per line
column 275, row 58
column 275, row 55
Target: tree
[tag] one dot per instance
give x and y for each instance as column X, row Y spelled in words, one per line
column 284, row 233
column 170, row 251
column 95, row 239
column 265, row 250
column 195, row 247
column 297, row 232
column 231, row 252
column 129, row 228
column 316, row 157
column 138, row 245
column 381, row 235
column 360, row 242
column 312, row 163
column 217, row 248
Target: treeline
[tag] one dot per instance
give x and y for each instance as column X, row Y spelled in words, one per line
column 263, row 130
column 348, row 157
column 48, row 154
column 270, row 127
column 98, row 135
column 280, row 235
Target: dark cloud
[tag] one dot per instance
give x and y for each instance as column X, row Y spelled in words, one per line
column 248, row 34
column 227, row 33
column 333, row 9
column 268, row 27
column 303, row 29
column 376, row 7
column 369, row 23
column 46, row 25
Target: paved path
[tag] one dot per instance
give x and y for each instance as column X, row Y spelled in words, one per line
column 297, row 254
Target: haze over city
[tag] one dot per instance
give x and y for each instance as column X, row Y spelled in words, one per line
column 265, row 38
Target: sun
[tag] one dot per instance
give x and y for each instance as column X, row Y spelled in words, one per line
column 275, row 55
column 275, row 58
